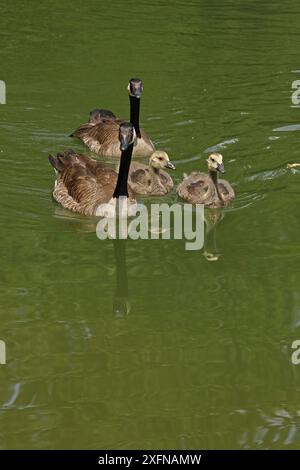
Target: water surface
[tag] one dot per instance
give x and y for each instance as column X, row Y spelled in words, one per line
column 143, row 344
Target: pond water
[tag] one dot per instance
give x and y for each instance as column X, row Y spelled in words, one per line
column 142, row 344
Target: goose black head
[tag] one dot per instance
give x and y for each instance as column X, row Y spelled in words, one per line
column 127, row 135
column 135, row 87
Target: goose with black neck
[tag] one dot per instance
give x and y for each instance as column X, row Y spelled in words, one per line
column 90, row 187
column 100, row 134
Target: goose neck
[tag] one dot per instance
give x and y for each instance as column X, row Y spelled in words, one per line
column 121, row 186
column 135, row 114
column 214, row 176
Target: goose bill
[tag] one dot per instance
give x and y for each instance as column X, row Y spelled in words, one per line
column 170, row 165
column 221, row 168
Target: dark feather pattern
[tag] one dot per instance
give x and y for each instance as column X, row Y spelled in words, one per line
column 199, row 188
column 145, row 180
column 83, row 183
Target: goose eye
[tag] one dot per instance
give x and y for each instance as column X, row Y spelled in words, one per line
column 160, row 158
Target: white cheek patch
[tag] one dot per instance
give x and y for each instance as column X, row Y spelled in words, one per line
column 129, row 90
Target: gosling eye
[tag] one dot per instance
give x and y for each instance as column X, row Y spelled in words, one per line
column 160, row 158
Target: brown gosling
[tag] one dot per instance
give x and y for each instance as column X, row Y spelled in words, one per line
column 152, row 180
column 207, row 188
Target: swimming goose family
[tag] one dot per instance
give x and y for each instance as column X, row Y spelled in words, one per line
column 90, row 187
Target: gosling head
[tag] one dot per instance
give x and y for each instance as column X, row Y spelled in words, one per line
column 135, row 87
column 160, row 160
column 215, row 162
column 127, row 135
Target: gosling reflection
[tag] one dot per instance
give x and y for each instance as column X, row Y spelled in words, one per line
column 212, row 217
column 121, row 306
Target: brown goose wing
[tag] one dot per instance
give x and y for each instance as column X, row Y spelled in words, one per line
column 104, row 132
column 83, row 183
column 195, row 188
column 226, row 191
column 139, row 180
column 138, row 173
column 95, row 187
column 107, row 132
column 101, row 137
column 166, row 180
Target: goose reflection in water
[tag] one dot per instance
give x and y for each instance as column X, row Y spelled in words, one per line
column 212, row 217
column 121, row 306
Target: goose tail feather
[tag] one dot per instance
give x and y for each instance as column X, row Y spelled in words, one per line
column 61, row 161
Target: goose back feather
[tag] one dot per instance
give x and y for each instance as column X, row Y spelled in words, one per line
column 82, row 183
column 102, row 138
column 148, row 181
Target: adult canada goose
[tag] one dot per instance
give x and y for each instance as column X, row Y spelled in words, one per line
column 151, row 180
column 100, row 134
column 89, row 187
column 207, row 189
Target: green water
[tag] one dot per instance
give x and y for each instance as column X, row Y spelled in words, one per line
column 194, row 354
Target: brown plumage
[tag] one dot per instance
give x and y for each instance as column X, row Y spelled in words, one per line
column 101, row 115
column 207, row 189
column 100, row 134
column 83, row 184
column 151, row 180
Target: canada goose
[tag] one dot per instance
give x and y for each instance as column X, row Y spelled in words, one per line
column 293, row 165
column 151, row 179
column 100, row 134
column 89, row 187
column 207, row 189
